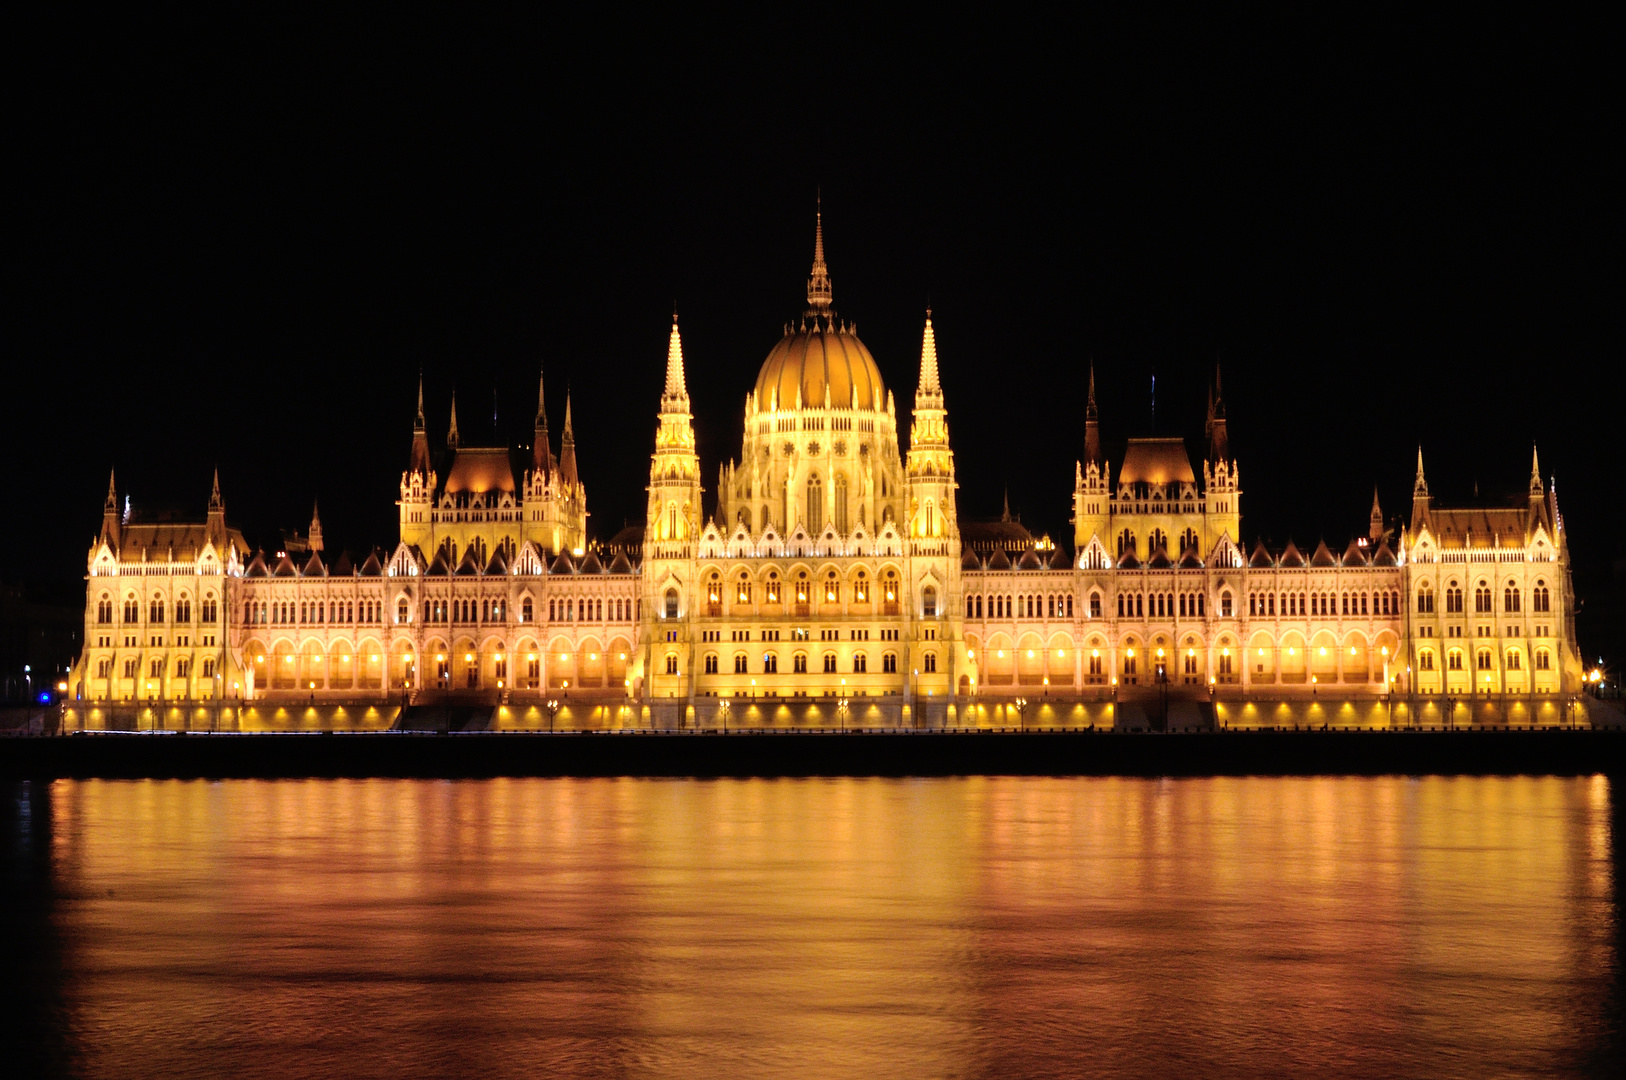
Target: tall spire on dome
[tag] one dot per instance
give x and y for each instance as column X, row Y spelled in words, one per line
column 418, row 424
column 929, row 381
column 1374, row 529
column 451, row 431
column 215, row 502
column 112, row 502
column 1535, row 473
column 315, row 537
column 818, row 285
column 675, row 397
column 110, row 513
column 1419, row 486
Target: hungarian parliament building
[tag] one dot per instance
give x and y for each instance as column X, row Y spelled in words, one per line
column 834, row 564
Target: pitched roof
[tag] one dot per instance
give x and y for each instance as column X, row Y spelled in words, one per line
column 1261, row 556
column 591, row 565
column 1353, row 555
column 1484, row 525
column 999, row 560
column 562, row 565
column 969, row 560
column 1029, row 561
column 1322, row 556
column 621, row 564
column 1291, row 555
column 1156, row 461
column 480, row 469
column 372, row 567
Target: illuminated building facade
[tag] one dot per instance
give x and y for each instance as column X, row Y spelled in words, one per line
column 832, row 565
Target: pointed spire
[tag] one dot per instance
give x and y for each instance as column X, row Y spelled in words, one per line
column 818, row 285
column 1419, row 487
column 1375, row 525
column 451, row 432
column 112, row 502
column 215, row 502
column 929, row 382
column 1092, row 423
column 1005, row 514
column 541, row 453
column 316, row 528
column 1535, row 473
column 677, row 390
column 1219, row 442
column 418, row 424
column 567, row 448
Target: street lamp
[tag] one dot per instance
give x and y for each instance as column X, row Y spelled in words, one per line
column 841, row 711
column 1021, row 715
column 551, row 708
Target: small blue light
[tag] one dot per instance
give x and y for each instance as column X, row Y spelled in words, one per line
column 45, row 698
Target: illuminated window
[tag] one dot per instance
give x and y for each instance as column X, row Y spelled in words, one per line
column 798, row 663
column 1540, row 598
column 889, row 663
column 928, row 663
column 829, row 663
column 1544, row 660
column 770, row 663
column 671, row 664
column 928, row 602
column 742, row 664
column 671, row 603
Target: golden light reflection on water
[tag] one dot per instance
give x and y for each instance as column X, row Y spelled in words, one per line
column 853, row 927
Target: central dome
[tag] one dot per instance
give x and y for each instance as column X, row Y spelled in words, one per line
column 819, row 358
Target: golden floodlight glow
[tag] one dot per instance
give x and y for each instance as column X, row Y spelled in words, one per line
column 1292, row 652
column 468, row 656
column 1352, row 650
column 623, row 656
column 1129, row 652
column 1002, row 654
column 1384, row 650
column 1030, row 654
column 1095, row 652
column 1261, row 652
column 564, row 656
column 1160, row 654
column 530, row 656
column 1323, row 650
column 971, row 654
column 440, row 658
column 345, row 658
column 1225, row 652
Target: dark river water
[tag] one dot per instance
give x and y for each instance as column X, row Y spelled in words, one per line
column 1434, row 927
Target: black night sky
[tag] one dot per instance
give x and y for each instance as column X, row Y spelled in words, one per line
column 238, row 245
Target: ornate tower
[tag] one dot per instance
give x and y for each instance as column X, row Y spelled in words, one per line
column 671, row 525
column 1221, row 495
column 934, row 534
column 418, row 483
column 1092, row 489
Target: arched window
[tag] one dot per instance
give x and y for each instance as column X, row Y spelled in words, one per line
column 155, row 610
column 970, row 607
column 1425, row 660
column 815, row 504
column 671, row 603
column 711, row 663
column 1513, row 660
column 104, row 610
column 671, row 664
column 1095, row 605
column 1453, row 599
column 1483, row 660
column 401, row 610
column 928, row 602
column 1126, row 542
column 798, row 663
column 929, row 663
column 860, row 663
column 1540, row 598
column 1510, row 597
column 1225, row 604
column 770, row 663
column 832, row 589
column 1453, row 660
column 526, row 611
column 841, row 503
column 1482, row 598
column 714, row 594
column 1544, row 660
column 742, row 663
